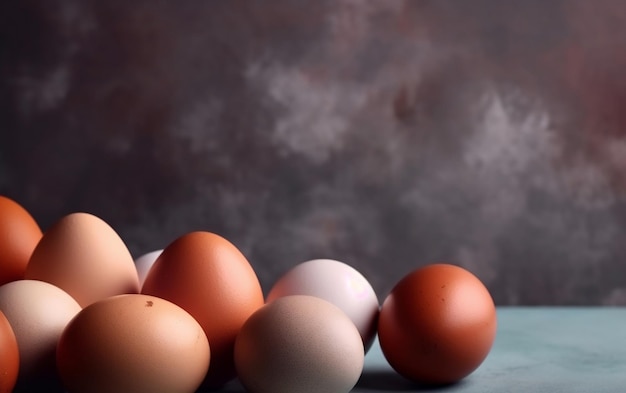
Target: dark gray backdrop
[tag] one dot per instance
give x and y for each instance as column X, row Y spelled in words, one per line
column 386, row 134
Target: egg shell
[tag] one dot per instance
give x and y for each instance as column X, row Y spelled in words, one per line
column 38, row 312
column 9, row 356
column 19, row 235
column 210, row 278
column 85, row 257
column 338, row 283
column 133, row 344
column 144, row 263
column 299, row 344
column 437, row 325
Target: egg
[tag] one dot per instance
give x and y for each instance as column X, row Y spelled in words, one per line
column 85, row 257
column 210, row 278
column 19, row 234
column 299, row 344
column 133, row 344
column 437, row 324
column 338, row 283
column 9, row 356
column 144, row 263
column 38, row 312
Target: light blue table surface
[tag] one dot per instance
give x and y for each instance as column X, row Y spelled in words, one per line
column 542, row 349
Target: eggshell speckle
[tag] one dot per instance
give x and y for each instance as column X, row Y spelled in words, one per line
column 38, row 312
column 299, row 344
column 85, row 257
column 133, row 344
column 338, row 283
column 210, row 278
column 437, row 325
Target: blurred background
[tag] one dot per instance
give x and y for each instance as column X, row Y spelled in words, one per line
column 385, row 134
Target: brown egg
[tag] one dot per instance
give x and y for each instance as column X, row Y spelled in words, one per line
column 85, row 257
column 9, row 356
column 437, row 325
column 133, row 344
column 210, row 278
column 38, row 312
column 299, row 344
column 19, row 234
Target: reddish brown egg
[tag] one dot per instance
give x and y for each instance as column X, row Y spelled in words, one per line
column 211, row 279
column 19, row 234
column 437, row 325
column 9, row 356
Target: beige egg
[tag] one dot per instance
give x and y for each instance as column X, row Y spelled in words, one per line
column 85, row 257
column 38, row 312
column 299, row 344
column 133, row 344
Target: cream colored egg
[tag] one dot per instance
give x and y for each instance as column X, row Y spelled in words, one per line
column 38, row 312
column 299, row 344
column 338, row 283
column 85, row 257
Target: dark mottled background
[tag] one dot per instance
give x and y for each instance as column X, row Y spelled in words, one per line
column 386, row 134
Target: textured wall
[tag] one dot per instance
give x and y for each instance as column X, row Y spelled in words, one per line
column 387, row 134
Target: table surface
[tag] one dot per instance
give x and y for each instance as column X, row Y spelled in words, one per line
column 537, row 349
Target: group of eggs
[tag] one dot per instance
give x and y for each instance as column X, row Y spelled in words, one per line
column 78, row 314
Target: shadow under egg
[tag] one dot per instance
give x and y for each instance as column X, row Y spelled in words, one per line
column 391, row 381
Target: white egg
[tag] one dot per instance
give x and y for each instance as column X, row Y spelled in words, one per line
column 144, row 263
column 337, row 283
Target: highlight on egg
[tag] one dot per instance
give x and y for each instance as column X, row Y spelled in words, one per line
column 437, row 324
